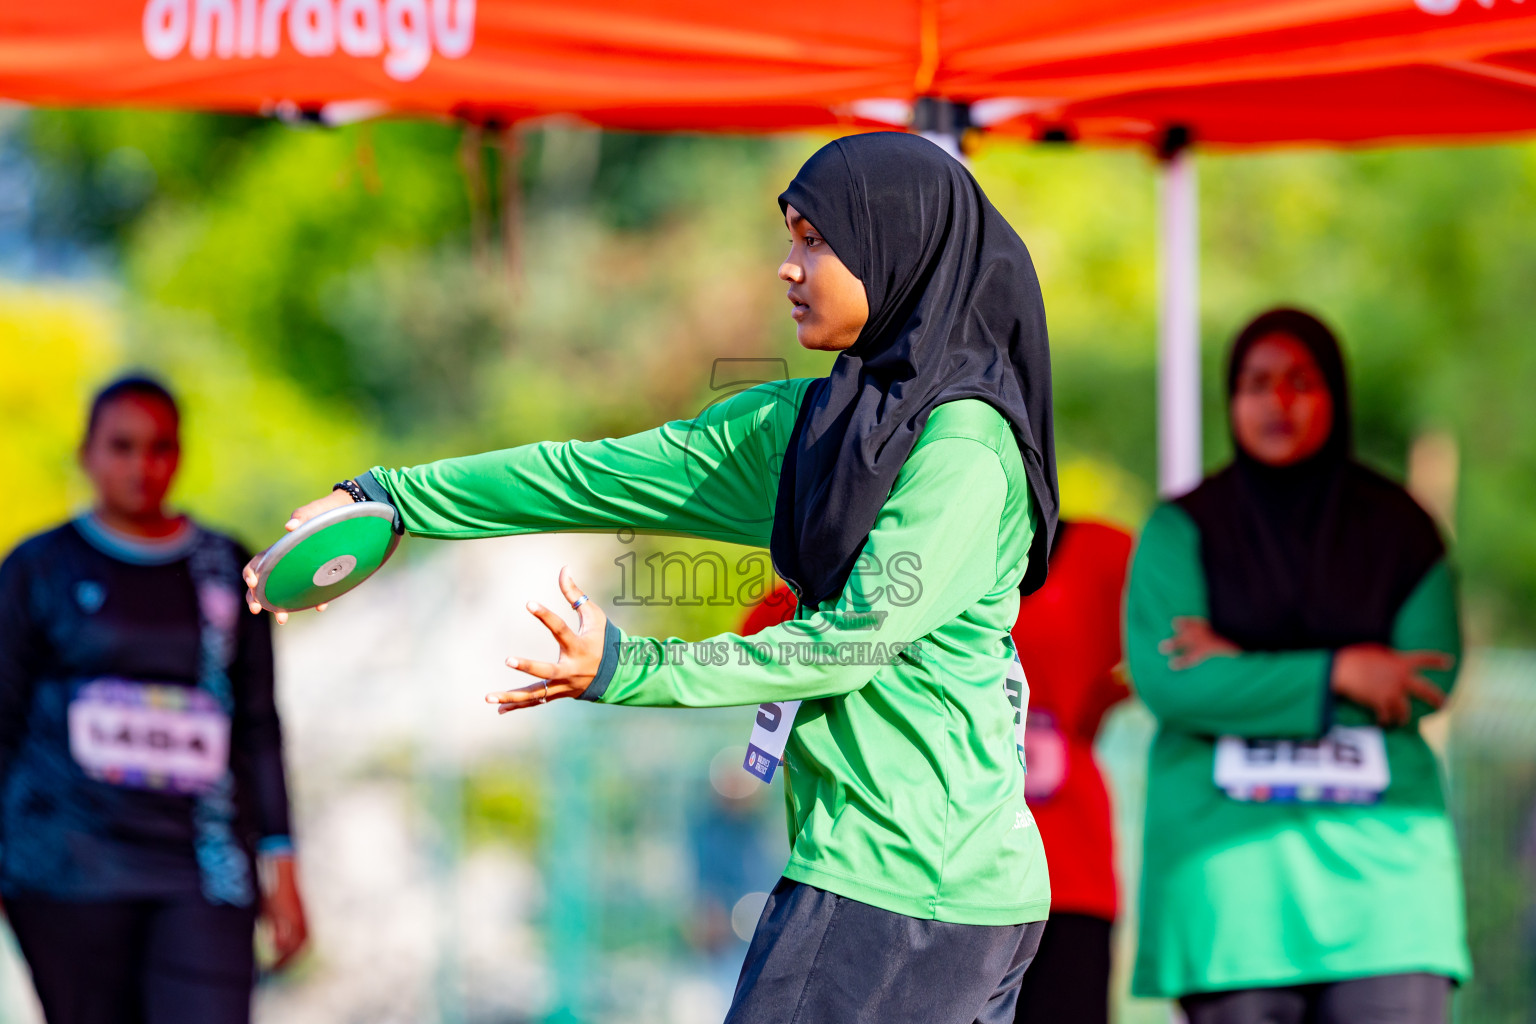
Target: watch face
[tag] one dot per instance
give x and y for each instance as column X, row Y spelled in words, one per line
column 326, row 557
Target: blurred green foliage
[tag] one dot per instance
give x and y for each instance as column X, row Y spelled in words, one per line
column 500, row 806
column 326, row 300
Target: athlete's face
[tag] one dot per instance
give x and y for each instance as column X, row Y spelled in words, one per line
column 131, row 456
column 1282, row 411
column 830, row 307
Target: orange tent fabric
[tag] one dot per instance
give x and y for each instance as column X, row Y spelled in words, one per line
column 1234, row 72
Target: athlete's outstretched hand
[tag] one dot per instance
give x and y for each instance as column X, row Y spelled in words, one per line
column 581, row 652
column 336, row 499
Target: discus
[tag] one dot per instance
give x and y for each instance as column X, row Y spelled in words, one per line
column 326, row 556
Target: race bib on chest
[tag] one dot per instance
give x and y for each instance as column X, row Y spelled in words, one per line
column 154, row 736
column 1346, row 766
column 1045, row 751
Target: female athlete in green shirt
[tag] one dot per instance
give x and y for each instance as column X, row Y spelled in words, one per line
column 907, row 498
column 1289, row 622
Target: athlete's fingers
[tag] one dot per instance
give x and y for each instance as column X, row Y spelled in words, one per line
column 1187, row 623
column 322, row 607
column 556, row 625
column 1426, row 691
column 1187, row 631
column 513, row 696
column 1419, row 660
column 573, row 593
column 335, row 499
column 513, row 700
column 519, row 705
column 282, row 617
column 534, row 696
column 542, row 669
column 1177, row 644
column 248, row 574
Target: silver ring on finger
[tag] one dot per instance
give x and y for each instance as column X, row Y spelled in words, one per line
column 545, row 695
column 583, row 599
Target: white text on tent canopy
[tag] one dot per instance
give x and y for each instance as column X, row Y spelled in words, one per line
column 405, row 32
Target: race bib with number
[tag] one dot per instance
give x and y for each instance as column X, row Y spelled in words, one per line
column 155, row 736
column 1045, row 749
column 1017, row 688
column 1346, row 766
column 770, row 733
column 765, row 751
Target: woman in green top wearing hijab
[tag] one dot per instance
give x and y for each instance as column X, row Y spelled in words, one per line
column 907, row 498
column 1289, row 621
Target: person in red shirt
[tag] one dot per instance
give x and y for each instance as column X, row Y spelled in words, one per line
column 1068, row 638
column 777, row 607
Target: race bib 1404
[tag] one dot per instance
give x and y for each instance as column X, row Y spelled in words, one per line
column 156, row 736
column 1346, row 766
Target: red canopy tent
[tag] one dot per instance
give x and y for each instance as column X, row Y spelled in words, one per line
column 1224, row 73
column 1246, row 72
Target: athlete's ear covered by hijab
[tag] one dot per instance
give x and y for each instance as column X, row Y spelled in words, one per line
column 954, row 312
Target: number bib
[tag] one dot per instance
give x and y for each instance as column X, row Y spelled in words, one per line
column 1347, row 766
column 770, row 732
column 1045, row 751
column 765, row 751
column 155, row 736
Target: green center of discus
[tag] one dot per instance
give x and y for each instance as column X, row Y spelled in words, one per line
column 332, row 562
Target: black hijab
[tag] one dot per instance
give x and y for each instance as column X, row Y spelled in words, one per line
column 954, row 312
column 1321, row 553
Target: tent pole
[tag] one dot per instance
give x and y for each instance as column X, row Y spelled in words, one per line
column 472, row 159
column 1179, row 464
column 512, row 205
column 942, row 122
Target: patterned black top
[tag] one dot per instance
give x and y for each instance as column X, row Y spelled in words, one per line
column 140, row 749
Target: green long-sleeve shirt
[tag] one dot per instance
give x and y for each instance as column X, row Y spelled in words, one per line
column 903, row 784
column 1239, row 894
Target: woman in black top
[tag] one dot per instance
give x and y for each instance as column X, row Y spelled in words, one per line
column 141, row 767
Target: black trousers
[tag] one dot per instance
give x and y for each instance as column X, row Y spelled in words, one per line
column 1069, row 981
column 820, row 958
column 1385, row 999
column 137, row 962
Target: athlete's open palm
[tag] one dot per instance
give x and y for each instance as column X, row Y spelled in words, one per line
column 581, row 651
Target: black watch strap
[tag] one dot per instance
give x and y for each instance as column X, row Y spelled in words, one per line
column 375, row 491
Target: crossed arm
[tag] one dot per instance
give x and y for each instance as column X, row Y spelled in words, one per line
column 1197, row 681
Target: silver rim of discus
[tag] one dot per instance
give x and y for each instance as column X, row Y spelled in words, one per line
column 310, row 527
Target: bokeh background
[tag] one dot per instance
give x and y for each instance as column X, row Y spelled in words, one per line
column 328, row 299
